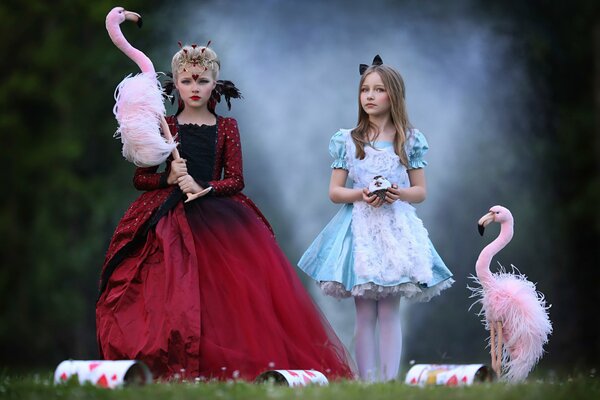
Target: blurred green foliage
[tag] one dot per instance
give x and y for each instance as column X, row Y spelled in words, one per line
column 550, row 178
column 560, row 44
column 67, row 184
column 64, row 177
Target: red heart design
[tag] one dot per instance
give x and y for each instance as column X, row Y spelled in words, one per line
column 103, row 382
column 464, row 379
column 413, row 381
column 93, row 366
column 114, row 377
column 453, row 381
column 195, row 76
column 63, row 377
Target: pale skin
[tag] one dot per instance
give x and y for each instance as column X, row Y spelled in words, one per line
column 376, row 103
column 195, row 86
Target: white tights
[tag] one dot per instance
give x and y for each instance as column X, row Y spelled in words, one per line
column 386, row 311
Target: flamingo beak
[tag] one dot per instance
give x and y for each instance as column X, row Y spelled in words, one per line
column 135, row 17
column 485, row 221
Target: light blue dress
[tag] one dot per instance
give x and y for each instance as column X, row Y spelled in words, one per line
column 376, row 252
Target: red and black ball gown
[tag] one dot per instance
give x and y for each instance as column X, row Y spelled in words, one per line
column 201, row 289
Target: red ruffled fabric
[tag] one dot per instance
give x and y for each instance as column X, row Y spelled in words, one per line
column 228, row 180
column 207, row 292
column 210, row 294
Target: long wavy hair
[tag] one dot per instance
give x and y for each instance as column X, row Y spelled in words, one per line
column 394, row 86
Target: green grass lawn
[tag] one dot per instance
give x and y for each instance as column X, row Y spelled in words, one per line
column 41, row 387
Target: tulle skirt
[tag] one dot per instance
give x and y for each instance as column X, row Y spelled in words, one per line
column 210, row 295
column 376, row 253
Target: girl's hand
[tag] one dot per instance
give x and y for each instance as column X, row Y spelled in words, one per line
column 393, row 194
column 372, row 200
column 178, row 169
column 187, row 184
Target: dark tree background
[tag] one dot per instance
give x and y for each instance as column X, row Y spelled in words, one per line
column 66, row 184
column 560, row 42
column 64, row 179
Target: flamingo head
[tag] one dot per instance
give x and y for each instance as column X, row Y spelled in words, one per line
column 118, row 15
column 497, row 214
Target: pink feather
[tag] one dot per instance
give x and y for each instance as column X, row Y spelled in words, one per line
column 139, row 106
column 515, row 301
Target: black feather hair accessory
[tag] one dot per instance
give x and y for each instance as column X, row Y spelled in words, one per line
column 226, row 89
column 168, row 86
column 223, row 88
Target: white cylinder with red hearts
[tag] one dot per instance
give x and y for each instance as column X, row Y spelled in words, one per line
column 448, row 374
column 104, row 373
column 293, row 377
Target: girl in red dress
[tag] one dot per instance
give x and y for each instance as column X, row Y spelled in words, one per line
column 201, row 289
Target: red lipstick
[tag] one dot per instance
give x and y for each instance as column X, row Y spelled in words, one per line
column 195, row 98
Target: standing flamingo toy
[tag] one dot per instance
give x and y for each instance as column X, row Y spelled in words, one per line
column 139, row 106
column 515, row 312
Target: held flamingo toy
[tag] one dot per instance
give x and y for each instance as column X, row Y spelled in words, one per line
column 516, row 314
column 139, row 107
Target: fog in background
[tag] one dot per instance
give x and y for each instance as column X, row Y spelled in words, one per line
column 296, row 64
column 507, row 93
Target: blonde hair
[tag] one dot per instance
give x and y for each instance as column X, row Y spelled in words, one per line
column 394, row 86
column 192, row 56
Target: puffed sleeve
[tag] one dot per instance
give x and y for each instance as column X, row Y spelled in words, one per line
column 337, row 149
column 417, row 148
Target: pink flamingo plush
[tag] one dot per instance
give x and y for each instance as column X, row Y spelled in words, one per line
column 139, row 106
column 515, row 312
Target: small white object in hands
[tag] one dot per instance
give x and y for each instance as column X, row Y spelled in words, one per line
column 378, row 186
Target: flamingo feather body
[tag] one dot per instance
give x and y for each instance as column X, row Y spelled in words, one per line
column 515, row 301
column 139, row 107
column 511, row 298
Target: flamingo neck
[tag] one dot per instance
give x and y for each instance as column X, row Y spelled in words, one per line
column 134, row 54
column 482, row 266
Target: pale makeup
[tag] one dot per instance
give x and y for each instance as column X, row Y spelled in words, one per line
column 195, row 86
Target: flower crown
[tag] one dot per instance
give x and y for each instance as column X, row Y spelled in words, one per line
column 196, row 59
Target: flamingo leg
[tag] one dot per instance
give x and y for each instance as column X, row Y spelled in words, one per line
column 493, row 346
column 167, row 134
column 500, row 337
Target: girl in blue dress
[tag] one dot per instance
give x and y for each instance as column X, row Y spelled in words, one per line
column 376, row 249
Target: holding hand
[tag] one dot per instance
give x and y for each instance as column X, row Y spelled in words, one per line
column 178, row 169
column 392, row 194
column 372, row 200
column 187, row 184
